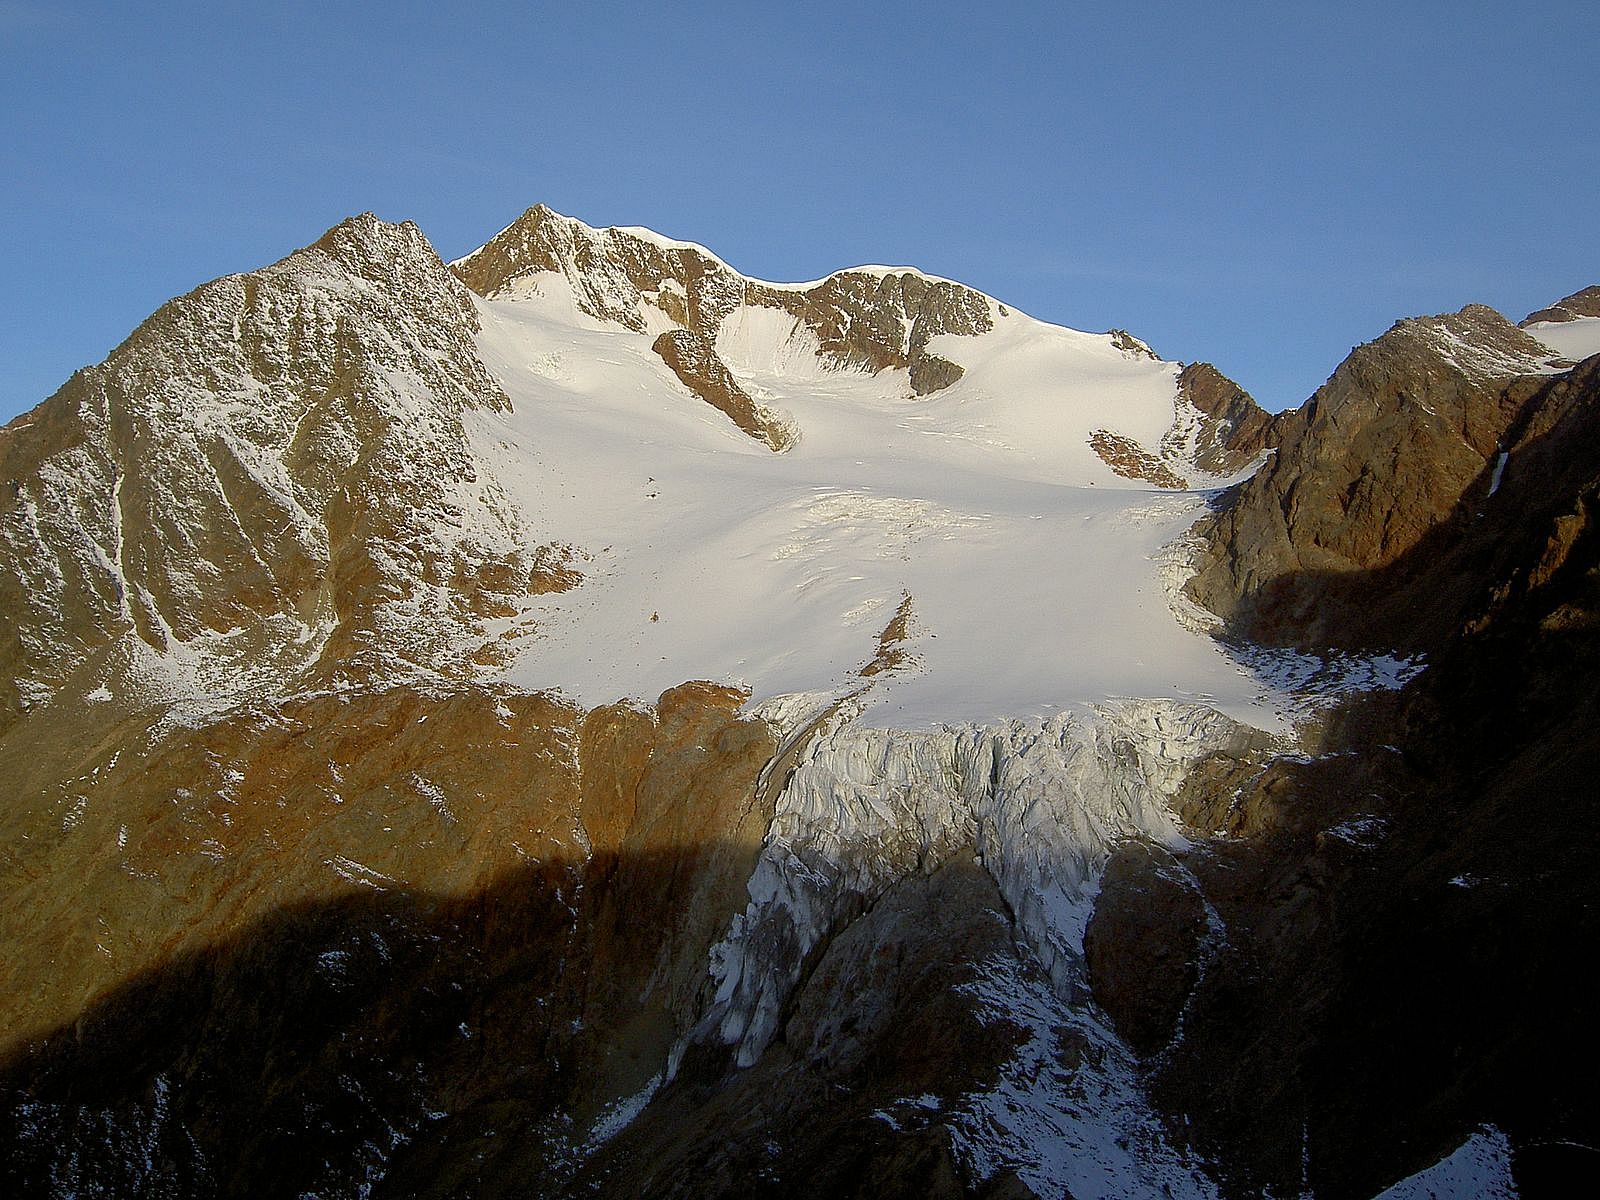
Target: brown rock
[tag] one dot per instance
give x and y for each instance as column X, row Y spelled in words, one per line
column 272, row 456
column 694, row 361
column 1382, row 454
column 1234, row 429
column 1144, row 943
column 1585, row 303
column 930, row 373
column 1132, row 461
column 863, row 320
column 891, row 642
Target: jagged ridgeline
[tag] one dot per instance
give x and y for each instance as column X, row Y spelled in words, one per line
column 581, row 721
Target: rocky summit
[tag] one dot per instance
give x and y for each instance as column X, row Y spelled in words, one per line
column 579, row 721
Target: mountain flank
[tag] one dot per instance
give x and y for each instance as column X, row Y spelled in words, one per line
column 470, row 733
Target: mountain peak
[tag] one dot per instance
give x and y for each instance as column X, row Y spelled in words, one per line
column 1583, row 303
column 863, row 318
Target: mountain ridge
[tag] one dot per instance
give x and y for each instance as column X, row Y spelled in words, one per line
column 364, row 575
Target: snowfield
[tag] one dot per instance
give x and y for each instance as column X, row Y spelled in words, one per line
column 1030, row 565
column 1576, row 339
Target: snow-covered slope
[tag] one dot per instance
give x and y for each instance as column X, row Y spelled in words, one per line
column 1029, row 562
column 1575, row 339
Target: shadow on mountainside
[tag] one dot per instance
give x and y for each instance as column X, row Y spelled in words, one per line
column 408, row 1044
column 1487, row 545
column 1407, row 930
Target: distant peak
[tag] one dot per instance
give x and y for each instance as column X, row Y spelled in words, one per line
column 537, row 232
column 1584, row 303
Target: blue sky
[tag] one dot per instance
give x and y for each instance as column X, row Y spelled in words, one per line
column 1259, row 185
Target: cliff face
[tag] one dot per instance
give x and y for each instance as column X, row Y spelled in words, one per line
column 1232, row 430
column 1407, row 430
column 300, row 937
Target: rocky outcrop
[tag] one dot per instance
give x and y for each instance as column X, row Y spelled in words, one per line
column 1233, row 430
column 1132, row 461
column 1143, row 946
column 485, row 911
column 930, row 373
column 873, row 321
column 1405, row 431
column 612, row 272
column 694, row 361
column 1400, row 911
column 865, row 320
column 862, row 1096
column 892, row 653
column 1398, row 906
column 1584, row 303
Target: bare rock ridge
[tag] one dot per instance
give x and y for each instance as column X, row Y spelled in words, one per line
column 1234, row 429
column 1583, row 303
column 1378, row 457
column 272, row 471
column 861, row 320
column 694, row 361
column 1220, row 430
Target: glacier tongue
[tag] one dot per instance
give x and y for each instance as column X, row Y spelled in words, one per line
column 1041, row 801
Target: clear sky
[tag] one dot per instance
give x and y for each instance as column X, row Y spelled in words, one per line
column 1259, row 185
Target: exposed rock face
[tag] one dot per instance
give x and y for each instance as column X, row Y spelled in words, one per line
column 1376, row 459
column 930, row 373
column 886, row 1014
column 1399, row 923
column 271, row 474
column 1130, row 345
column 1132, row 461
column 1144, row 945
column 866, row 320
column 1399, row 909
column 694, row 361
column 612, row 271
column 1233, row 428
column 404, row 951
column 1585, row 303
column 892, row 653
column 870, row 321
column 1218, row 430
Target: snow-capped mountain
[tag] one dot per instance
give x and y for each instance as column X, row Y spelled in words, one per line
column 539, row 709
